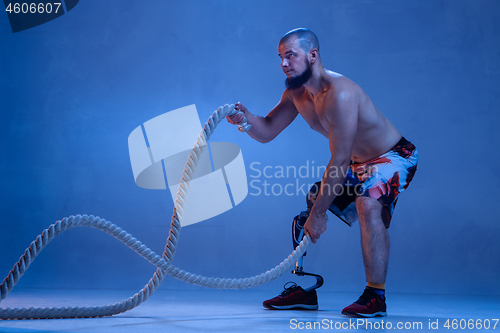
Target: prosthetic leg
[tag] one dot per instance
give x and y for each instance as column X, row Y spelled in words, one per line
column 297, row 235
column 294, row 296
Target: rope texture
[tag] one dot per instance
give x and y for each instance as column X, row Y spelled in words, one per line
column 163, row 263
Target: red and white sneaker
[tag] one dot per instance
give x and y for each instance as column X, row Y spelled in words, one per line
column 368, row 305
column 293, row 297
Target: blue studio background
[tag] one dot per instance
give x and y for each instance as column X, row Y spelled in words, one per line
column 73, row 89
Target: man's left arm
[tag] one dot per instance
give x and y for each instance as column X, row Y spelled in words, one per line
column 342, row 118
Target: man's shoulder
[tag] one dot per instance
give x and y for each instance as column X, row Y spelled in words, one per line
column 342, row 87
column 339, row 81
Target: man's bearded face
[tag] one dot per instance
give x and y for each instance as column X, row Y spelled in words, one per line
column 298, row 81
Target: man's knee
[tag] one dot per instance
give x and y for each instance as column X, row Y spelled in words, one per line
column 369, row 210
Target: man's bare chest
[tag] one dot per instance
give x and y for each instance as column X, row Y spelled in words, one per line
column 313, row 113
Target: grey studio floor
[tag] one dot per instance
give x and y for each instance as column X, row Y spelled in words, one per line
column 207, row 310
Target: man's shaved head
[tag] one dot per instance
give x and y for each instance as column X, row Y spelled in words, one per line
column 307, row 39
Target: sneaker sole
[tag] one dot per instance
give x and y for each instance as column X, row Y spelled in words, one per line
column 292, row 307
column 366, row 315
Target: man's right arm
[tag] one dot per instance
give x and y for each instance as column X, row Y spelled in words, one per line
column 265, row 129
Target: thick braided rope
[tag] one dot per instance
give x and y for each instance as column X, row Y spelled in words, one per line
column 180, row 200
column 163, row 263
column 82, row 312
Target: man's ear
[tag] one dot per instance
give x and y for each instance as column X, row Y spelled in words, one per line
column 313, row 56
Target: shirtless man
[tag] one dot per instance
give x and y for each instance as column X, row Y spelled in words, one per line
column 364, row 146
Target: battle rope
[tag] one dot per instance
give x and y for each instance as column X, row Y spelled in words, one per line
column 162, row 263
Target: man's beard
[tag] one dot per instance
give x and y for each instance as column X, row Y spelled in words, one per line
column 298, row 81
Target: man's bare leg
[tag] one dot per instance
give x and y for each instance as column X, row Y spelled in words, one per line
column 375, row 245
column 374, row 240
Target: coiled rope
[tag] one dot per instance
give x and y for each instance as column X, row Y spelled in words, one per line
column 162, row 263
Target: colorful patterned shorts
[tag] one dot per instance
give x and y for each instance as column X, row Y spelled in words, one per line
column 381, row 178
